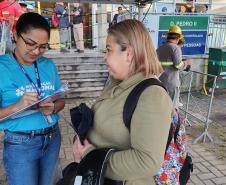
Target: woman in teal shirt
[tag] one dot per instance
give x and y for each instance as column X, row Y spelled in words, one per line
column 32, row 142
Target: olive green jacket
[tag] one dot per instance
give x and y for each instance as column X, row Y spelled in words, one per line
column 141, row 151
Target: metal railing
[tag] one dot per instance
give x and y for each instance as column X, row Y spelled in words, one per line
column 197, row 105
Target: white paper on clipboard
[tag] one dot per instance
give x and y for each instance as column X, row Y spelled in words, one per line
column 33, row 108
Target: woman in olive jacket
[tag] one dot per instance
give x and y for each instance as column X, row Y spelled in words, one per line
column 130, row 58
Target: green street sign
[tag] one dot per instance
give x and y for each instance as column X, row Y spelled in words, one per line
column 185, row 22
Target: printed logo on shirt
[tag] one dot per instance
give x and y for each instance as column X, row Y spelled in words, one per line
column 46, row 86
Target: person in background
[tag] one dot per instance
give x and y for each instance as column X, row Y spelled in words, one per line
column 189, row 7
column 204, row 8
column 10, row 11
column 131, row 58
column 7, row 13
column 115, row 18
column 182, row 9
column 62, row 14
column 6, row 20
column 31, row 142
column 77, row 19
column 164, row 9
column 170, row 56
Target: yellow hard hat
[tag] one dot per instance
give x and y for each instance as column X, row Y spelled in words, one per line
column 175, row 29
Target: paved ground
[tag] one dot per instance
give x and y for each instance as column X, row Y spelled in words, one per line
column 209, row 168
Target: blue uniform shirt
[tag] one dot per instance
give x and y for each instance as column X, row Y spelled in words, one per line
column 13, row 84
column 63, row 16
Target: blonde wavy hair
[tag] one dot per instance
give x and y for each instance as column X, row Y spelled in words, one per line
column 133, row 33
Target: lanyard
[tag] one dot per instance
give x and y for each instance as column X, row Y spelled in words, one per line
column 39, row 88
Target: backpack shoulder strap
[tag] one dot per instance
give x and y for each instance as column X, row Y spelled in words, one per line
column 133, row 97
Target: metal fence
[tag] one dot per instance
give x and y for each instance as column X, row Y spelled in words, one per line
column 196, row 104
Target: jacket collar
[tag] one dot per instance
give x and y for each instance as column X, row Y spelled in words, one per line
column 116, row 87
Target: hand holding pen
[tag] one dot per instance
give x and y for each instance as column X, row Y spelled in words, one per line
column 27, row 99
column 46, row 107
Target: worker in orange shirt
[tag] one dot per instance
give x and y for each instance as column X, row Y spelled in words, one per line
column 10, row 11
column 6, row 21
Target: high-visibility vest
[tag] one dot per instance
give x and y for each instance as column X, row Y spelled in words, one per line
column 171, row 64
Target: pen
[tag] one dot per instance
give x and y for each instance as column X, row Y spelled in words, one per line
column 47, row 118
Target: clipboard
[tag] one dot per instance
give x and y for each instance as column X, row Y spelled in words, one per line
column 33, row 108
